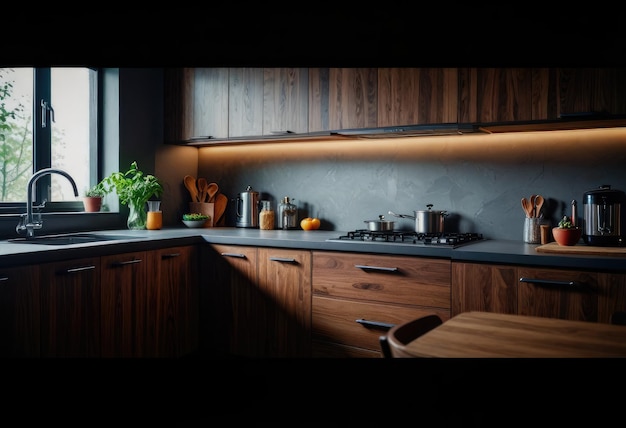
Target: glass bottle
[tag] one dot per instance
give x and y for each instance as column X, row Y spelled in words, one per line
column 287, row 214
column 266, row 216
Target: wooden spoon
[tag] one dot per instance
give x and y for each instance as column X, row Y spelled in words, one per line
column 538, row 204
column 212, row 190
column 528, row 209
column 533, row 205
column 202, row 189
column 190, row 184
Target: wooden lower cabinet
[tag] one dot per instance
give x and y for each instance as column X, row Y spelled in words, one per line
column 172, row 302
column 357, row 297
column 256, row 302
column 19, row 312
column 537, row 291
column 123, row 302
column 70, row 308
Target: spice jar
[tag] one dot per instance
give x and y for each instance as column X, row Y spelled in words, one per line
column 266, row 216
column 287, row 214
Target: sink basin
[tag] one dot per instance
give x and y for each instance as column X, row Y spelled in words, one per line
column 75, row 238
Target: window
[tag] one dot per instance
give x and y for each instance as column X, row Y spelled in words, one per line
column 48, row 118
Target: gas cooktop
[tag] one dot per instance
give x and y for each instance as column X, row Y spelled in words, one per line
column 450, row 240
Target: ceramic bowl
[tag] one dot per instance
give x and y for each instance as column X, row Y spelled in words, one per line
column 195, row 223
column 567, row 237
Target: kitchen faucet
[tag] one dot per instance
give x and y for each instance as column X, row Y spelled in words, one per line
column 27, row 222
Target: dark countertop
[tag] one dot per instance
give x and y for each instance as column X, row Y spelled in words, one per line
column 489, row 250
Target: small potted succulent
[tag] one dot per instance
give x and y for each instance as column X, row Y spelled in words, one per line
column 92, row 200
column 566, row 233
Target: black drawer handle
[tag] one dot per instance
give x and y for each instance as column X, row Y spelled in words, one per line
column 170, row 255
column 548, row 282
column 239, row 256
column 377, row 324
column 386, row 269
column 283, row 259
column 127, row 262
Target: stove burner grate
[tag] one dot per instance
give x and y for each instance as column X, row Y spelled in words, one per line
column 451, row 239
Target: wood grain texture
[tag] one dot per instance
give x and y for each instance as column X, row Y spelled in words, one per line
column 495, row 94
column 70, row 310
column 424, row 282
column 353, row 98
column 210, row 102
column 612, row 296
column 19, row 312
column 483, row 287
column 123, row 305
column 555, row 248
column 245, row 102
column 319, row 93
column 577, row 302
column 490, row 335
column 285, row 100
column 408, row 96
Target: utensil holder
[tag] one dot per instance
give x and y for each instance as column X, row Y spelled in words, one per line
column 206, row 208
column 532, row 234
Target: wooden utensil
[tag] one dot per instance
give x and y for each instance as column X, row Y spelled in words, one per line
column 528, row 209
column 202, row 189
column 220, row 206
column 533, row 213
column 212, row 190
column 538, row 204
column 190, row 184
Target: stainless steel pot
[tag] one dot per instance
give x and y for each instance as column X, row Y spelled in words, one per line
column 380, row 225
column 428, row 221
column 604, row 212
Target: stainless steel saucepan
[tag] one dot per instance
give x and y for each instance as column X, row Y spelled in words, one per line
column 427, row 221
column 380, row 225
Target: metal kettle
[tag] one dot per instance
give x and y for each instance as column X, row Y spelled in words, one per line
column 247, row 208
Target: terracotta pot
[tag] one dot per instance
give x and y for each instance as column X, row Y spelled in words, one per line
column 92, row 204
column 567, row 237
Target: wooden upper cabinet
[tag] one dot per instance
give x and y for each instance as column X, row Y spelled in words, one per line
column 342, row 98
column 285, row 100
column 245, row 107
column 210, row 103
column 416, row 96
column 599, row 90
column 495, row 94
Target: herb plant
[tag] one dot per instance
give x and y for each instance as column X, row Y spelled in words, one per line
column 133, row 186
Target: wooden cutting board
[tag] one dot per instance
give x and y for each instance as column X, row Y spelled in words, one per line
column 555, row 248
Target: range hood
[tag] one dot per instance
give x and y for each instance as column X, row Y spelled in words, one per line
column 411, row 131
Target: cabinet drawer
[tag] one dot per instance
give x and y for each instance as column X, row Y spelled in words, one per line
column 387, row 279
column 558, row 293
column 335, row 320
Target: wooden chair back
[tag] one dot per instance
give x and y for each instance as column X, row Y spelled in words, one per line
column 392, row 343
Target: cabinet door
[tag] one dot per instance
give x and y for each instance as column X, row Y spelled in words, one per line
column 495, row 94
column 591, row 90
column 557, row 293
column 172, row 302
column 70, row 308
column 230, row 296
column 483, row 287
column 285, row 101
column 415, row 96
column 285, row 311
column 612, row 297
column 245, row 102
column 342, row 98
column 123, row 304
column 19, row 312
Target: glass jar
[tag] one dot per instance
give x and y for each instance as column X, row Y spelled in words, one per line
column 287, row 214
column 266, row 216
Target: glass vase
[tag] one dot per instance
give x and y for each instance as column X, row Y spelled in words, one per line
column 137, row 216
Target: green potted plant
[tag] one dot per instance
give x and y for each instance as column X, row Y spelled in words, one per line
column 92, row 199
column 566, row 233
column 134, row 189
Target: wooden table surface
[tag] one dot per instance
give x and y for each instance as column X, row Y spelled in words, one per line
column 491, row 335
